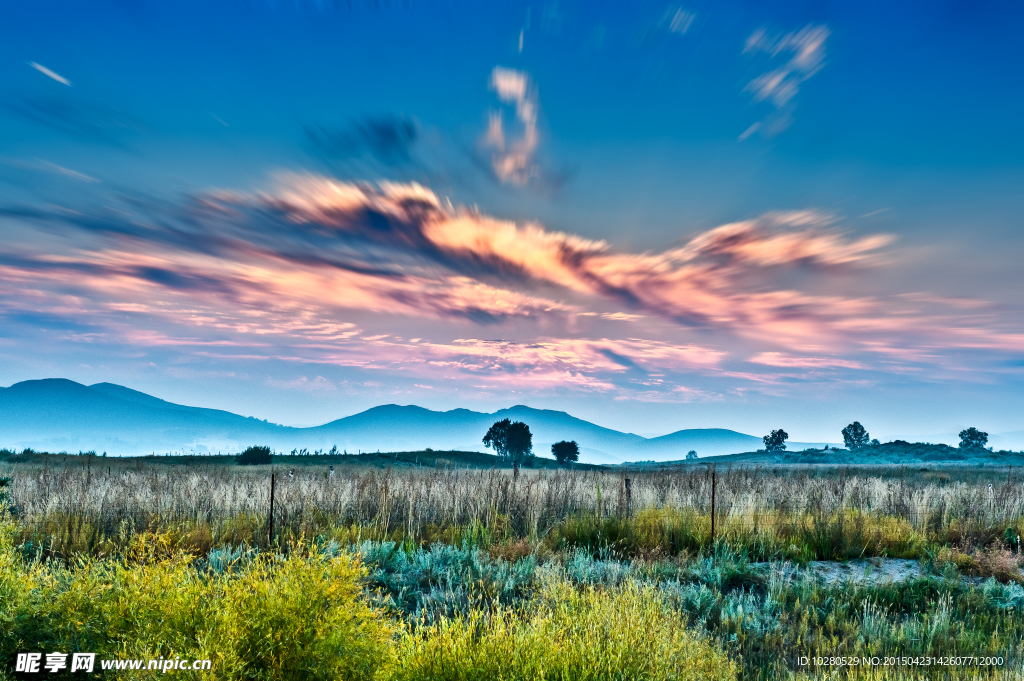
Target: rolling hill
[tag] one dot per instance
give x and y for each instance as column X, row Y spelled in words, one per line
column 62, row 415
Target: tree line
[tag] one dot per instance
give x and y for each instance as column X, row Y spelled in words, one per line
column 855, row 437
column 513, row 441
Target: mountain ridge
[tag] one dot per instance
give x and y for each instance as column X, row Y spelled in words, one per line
column 60, row 414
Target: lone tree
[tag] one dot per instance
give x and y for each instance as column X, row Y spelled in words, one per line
column 855, row 436
column 692, row 454
column 775, row 441
column 511, row 440
column 566, row 451
column 972, row 438
column 254, row 456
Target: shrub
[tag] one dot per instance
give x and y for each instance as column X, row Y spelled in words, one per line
column 999, row 562
column 254, row 456
column 590, row 633
column 300, row 617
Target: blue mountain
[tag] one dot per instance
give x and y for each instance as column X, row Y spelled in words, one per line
column 61, row 415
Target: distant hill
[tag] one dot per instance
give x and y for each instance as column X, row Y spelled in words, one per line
column 58, row 414
column 61, row 415
column 710, row 441
column 898, row 452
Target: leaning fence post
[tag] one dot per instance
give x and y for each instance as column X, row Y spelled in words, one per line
column 271, row 536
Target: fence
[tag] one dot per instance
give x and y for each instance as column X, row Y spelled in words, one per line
column 693, row 507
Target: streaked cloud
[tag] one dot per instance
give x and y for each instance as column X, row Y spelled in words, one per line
column 388, row 140
column 804, row 53
column 512, row 158
column 777, row 359
column 679, row 20
column 47, row 72
column 317, row 271
column 77, row 117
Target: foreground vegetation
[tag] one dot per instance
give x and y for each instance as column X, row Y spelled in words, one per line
column 419, row 573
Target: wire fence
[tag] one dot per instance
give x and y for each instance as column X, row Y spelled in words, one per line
column 701, row 504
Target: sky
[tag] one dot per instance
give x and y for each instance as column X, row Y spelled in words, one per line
column 653, row 216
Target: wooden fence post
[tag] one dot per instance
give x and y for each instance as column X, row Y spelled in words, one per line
column 712, row 508
column 271, row 537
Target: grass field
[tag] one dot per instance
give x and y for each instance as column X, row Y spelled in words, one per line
column 427, row 566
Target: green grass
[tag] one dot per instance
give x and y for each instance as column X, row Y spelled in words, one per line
column 417, row 573
column 428, row 458
column 309, row 614
column 389, row 611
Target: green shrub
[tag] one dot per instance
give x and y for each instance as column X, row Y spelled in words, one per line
column 254, row 456
column 568, row 635
column 296, row 617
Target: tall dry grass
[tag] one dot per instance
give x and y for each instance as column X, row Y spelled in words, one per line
column 799, row 513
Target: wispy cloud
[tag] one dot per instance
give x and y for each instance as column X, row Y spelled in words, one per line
column 68, row 172
column 304, row 384
column 804, row 51
column 777, row 359
column 512, row 159
column 679, row 20
column 47, row 72
column 311, row 269
column 388, row 140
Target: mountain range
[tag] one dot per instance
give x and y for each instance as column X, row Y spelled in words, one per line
column 62, row 415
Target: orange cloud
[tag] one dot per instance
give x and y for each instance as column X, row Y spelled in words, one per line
column 311, row 271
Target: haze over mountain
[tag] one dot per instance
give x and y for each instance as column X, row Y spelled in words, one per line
column 62, row 415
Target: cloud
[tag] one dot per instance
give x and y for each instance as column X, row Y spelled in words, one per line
column 76, row 117
column 303, row 384
column 45, row 71
column 806, row 50
column 512, row 160
column 67, row 172
column 317, row 270
column 398, row 248
column 777, row 359
column 681, row 21
column 387, row 139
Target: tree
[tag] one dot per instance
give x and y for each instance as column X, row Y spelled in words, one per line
column 972, row 438
column 566, row 451
column 855, row 436
column 775, row 441
column 511, row 440
column 875, row 443
column 254, row 456
column 692, row 454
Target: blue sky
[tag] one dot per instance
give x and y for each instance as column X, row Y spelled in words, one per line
column 651, row 215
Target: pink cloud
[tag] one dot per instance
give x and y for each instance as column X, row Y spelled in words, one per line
column 777, row 359
column 315, row 270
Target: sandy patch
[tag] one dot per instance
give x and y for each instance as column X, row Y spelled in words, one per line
column 861, row 571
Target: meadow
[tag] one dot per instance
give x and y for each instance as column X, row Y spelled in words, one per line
column 394, row 569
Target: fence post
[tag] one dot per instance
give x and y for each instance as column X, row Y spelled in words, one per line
column 271, row 537
column 629, row 497
column 712, row 508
